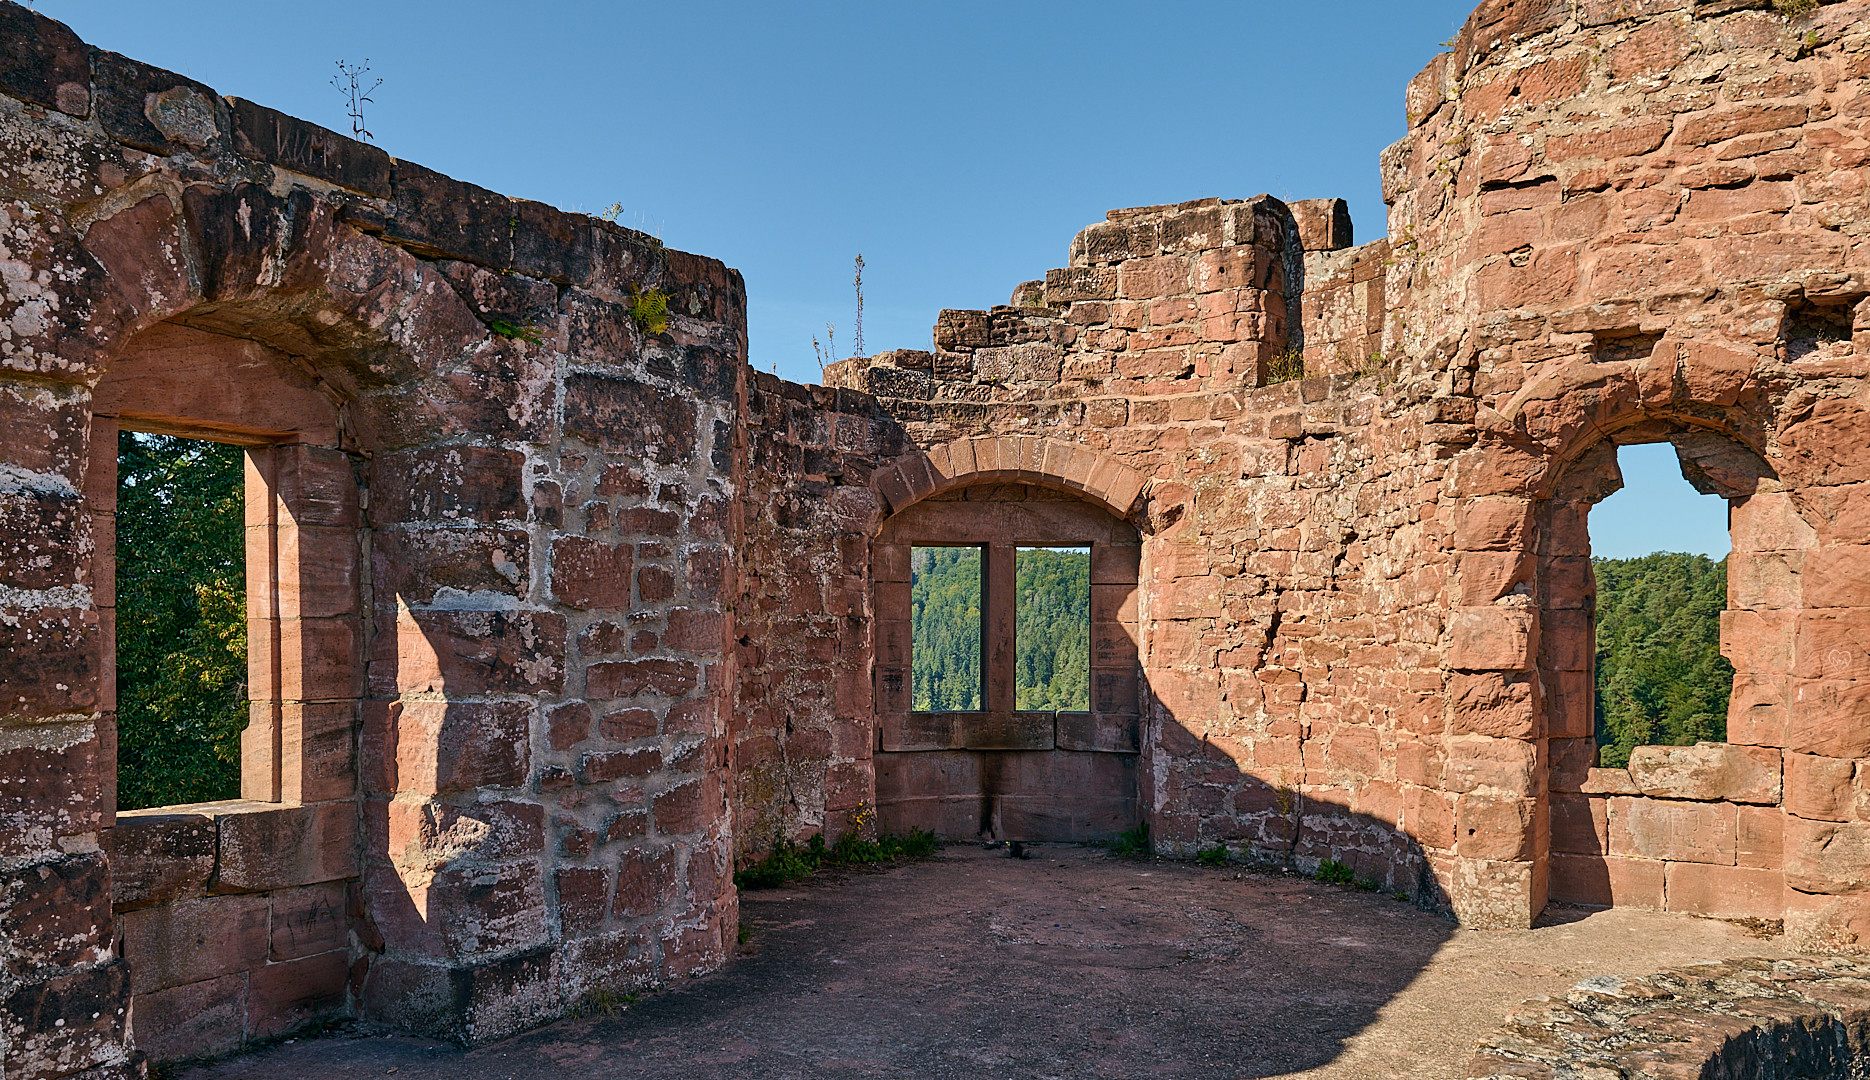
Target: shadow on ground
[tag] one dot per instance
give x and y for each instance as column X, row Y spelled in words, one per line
column 1068, row 964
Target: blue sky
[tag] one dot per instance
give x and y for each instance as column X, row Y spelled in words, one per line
column 958, row 146
column 1657, row 510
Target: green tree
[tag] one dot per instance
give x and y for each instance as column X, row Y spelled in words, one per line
column 1661, row 678
column 181, row 620
column 1054, row 637
column 945, row 614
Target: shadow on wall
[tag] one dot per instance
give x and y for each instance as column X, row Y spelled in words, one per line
column 1215, row 797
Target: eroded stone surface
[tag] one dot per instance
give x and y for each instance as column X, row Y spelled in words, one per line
column 1741, row 1017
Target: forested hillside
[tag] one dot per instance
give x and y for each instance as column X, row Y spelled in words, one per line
column 1052, row 641
column 181, row 621
column 1054, row 636
column 1661, row 678
column 945, row 613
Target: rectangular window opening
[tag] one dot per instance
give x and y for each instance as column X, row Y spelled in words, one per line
column 945, row 599
column 1053, row 616
column 181, row 619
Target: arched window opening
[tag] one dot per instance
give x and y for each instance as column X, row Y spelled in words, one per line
column 1659, row 554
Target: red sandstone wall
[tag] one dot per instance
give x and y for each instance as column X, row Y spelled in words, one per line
column 505, row 708
column 1626, row 222
column 801, row 726
column 1282, row 607
column 1366, row 600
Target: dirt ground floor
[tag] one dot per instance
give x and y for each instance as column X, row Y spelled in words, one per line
column 1069, row 963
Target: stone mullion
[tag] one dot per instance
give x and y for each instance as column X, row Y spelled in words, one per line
column 999, row 630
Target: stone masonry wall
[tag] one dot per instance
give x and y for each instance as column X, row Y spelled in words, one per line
column 1620, row 222
column 491, row 668
column 1366, row 599
column 802, row 726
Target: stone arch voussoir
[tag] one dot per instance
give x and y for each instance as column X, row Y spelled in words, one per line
column 1048, row 463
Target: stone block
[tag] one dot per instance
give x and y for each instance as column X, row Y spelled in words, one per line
column 1758, row 642
column 52, row 786
column 1820, row 788
column 158, row 856
column 1646, row 828
column 603, row 766
column 277, row 848
column 50, row 660
column 197, row 1019
column 1607, row 881
column 627, row 679
column 1099, row 733
column 1080, row 283
column 625, row 416
column 1502, row 766
column 435, row 747
column 453, row 485
column 192, row 940
column 1493, row 638
column 466, row 653
column 1724, row 892
column 44, row 63
column 1708, row 771
column 290, row 143
column 689, row 806
column 1609, row 782
column 318, row 751
column 1004, row 731
column 646, row 883
column 589, row 574
column 1324, row 224
column 55, row 914
column 1148, row 278
column 1580, row 824
column 1833, row 644
column 1757, row 710
column 286, row 996
column 1492, row 895
column 414, row 563
column 318, row 659
column 1760, row 839
column 1836, row 576
column 1827, row 857
column 1825, row 717
column 1498, row 827
column 1492, row 704
column 308, row 920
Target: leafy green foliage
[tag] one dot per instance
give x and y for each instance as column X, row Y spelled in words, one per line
column 649, row 310
column 945, row 618
column 519, row 331
column 1661, row 678
column 789, row 862
column 1333, row 872
column 181, row 620
column 1285, row 367
column 1133, row 841
column 1215, row 856
column 1053, row 616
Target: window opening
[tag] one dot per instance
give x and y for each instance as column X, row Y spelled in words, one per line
column 1659, row 554
column 1053, row 637
column 945, row 598
column 181, row 619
